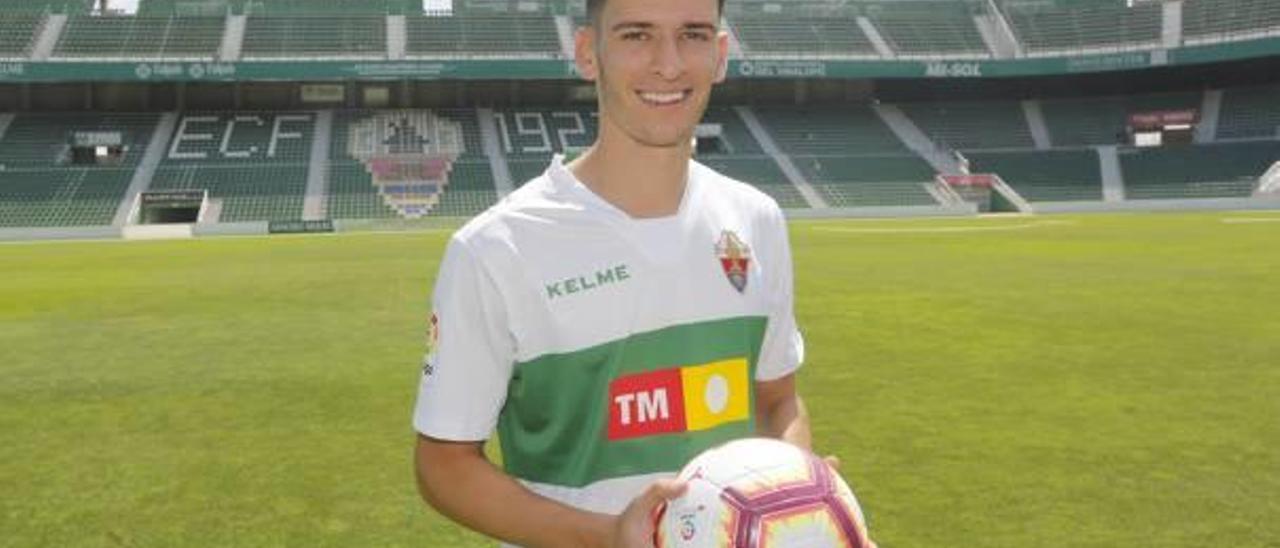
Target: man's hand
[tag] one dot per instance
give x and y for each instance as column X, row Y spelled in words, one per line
column 634, row 528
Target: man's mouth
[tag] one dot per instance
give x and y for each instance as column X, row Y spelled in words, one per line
column 664, row 98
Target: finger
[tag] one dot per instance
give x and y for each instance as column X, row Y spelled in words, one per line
column 832, row 461
column 663, row 490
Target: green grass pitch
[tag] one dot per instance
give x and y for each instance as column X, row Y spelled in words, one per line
column 1109, row 380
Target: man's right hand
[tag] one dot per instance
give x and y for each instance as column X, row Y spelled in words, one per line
column 634, row 528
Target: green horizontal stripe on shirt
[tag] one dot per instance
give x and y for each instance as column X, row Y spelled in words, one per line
column 553, row 427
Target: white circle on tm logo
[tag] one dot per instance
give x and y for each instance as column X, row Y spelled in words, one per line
column 716, row 394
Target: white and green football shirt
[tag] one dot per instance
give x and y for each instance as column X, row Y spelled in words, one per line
column 608, row 351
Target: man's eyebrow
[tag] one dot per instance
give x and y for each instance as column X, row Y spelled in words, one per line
column 641, row 25
column 632, row 25
column 699, row 26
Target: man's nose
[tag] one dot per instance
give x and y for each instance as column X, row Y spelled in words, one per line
column 667, row 62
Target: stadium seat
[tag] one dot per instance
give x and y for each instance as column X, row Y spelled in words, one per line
column 353, row 194
column 1052, row 27
column 869, row 181
column 18, row 33
column 930, row 29
column 1250, row 113
column 482, row 36
column 1104, row 120
column 1204, row 20
column 40, row 187
column 801, row 36
column 360, row 36
column 973, row 125
column 1223, row 170
column 257, row 177
column 140, row 37
column 1045, row 176
column 830, row 130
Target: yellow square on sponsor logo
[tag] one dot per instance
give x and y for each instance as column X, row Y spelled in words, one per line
column 716, row 393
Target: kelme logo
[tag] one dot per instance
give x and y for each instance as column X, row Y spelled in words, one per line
column 679, row 399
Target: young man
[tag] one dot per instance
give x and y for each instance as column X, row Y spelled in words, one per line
column 615, row 316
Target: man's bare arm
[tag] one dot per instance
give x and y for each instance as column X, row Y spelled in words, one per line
column 458, row 481
column 780, row 413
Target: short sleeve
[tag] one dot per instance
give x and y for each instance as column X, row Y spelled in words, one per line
column 783, row 349
column 466, row 371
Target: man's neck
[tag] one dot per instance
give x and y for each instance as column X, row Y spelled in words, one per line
column 642, row 181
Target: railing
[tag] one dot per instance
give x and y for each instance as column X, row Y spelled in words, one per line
column 1269, row 184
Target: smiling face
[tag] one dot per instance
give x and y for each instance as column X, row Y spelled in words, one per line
column 654, row 62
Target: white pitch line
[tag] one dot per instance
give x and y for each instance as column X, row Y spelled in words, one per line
column 1246, row 220
column 942, row 229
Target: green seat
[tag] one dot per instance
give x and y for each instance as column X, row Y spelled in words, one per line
column 482, row 35
column 802, row 35
column 1216, row 18
column 1045, row 176
column 353, row 194
column 269, row 36
column 869, row 181
column 1249, row 113
column 140, row 37
column 1223, row 170
column 39, row 187
column 929, row 28
column 830, row 130
column 18, row 33
column 972, row 125
column 1104, row 120
column 1098, row 25
column 254, row 181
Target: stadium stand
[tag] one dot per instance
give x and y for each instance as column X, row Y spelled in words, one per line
column 760, row 171
column 140, row 37
column 361, row 36
column 931, row 29
column 972, row 125
column 18, row 34
column 40, row 187
column 44, row 6
column 1221, row 170
column 531, row 136
column 1250, row 113
column 765, row 36
column 526, row 35
column 1104, row 120
column 1044, row 176
column 829, row 130
column 1223, row 18
column 254, row 162
column 276, row 7
column 743, row 159
column 353, row 193
column 868, row 181
column 1052, row 27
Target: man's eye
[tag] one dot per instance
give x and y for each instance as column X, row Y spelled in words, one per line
column 635, row 36
column 698, row 36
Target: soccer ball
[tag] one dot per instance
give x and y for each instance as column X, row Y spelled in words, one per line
column 759, row 493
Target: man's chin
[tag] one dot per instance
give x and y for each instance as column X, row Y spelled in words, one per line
column 664, row 141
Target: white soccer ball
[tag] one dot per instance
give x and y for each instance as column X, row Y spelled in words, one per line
column 758, row 493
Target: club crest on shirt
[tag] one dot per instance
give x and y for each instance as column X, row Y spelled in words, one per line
column 735, row 258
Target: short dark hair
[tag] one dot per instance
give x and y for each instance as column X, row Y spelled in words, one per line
column 595, row 6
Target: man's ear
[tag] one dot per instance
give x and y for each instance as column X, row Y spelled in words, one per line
column 722, row 49
column 584, row 53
